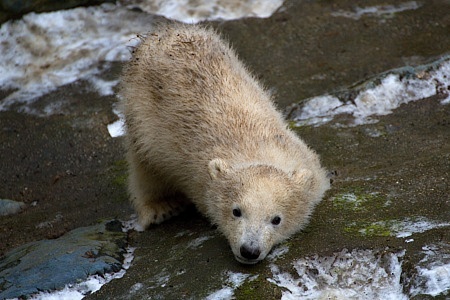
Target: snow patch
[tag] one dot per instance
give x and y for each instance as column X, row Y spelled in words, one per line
column 233, row 281
column 437, row 279
column 196, row 243
column 359, row 274
column 393, row 90
column 184, row 233
column 117, row 128
column 132, row 224
column 402, row 228
column 49, row 224
column 42, row 52
column 433, row 271
column 91, row 285
column 378, row 10
column 136, row 287
column 277, row 252
column 411, row 226
column 194, row 11
column 103, row 87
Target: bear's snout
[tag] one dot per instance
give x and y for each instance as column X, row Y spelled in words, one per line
column 250, row 253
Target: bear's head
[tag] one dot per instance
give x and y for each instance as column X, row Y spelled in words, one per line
column 257, row 206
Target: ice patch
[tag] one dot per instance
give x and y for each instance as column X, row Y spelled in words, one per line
column 198, row 241
column 136, row 287
column 322, row 109
column 184, row 233
column 437, row 279
column 223, row 294
column 378, row 10
column 277, row 252
column 360, row 274
column 433, row 272
column 49, row 224
column 73, row 292
column 127, row 259
column 162, row 280
column 419, row 225
column 159, row 280
column 233, row 281
column 392, row 90
column 132, row 224
column 117, row 128
column 401, row 229
column 194, row 11
column 91, row 285
column 103, row 87
column 42, row 52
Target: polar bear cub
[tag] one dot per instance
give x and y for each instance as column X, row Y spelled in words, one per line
column 202, row 129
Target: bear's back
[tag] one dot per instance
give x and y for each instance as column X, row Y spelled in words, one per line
column 185, row 84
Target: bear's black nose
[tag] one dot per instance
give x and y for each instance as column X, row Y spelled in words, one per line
column 250, row 253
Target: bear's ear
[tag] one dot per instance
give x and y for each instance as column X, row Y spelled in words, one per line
column 303, row 177
column 216, row 167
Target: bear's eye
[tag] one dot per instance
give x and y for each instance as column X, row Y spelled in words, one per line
column 276, row 220
column 237, row 212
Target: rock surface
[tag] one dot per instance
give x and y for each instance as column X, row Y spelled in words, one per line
column 390, row 194
column 52, row 264
column 385, row 185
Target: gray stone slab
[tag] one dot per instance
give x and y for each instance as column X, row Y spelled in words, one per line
column 51, row 264
column 10, row 207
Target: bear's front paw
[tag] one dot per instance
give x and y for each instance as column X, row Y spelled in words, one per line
column 158, row 212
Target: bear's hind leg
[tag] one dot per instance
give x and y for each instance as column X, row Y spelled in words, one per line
column 153, row 200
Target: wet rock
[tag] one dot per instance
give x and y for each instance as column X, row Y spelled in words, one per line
column 394, row 182
column 183, row 259
column 388, row 173
column 52, row 264
column 10, row 207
